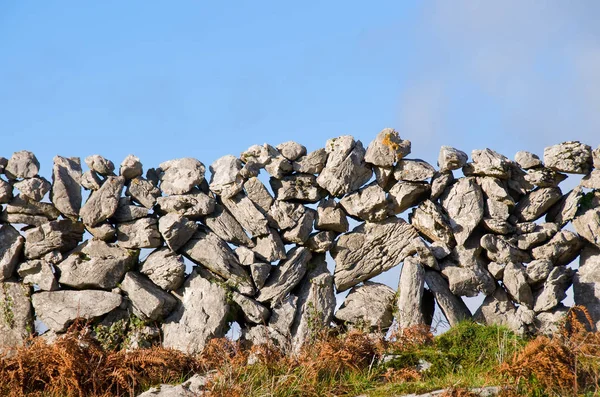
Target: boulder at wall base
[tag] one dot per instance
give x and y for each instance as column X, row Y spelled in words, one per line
column 16, row 315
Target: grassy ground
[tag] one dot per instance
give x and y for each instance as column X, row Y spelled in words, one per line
column 351, row 364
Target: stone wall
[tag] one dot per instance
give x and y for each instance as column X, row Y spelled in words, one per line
column 504, row 229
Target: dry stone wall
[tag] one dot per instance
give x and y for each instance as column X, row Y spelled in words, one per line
column 504, row 229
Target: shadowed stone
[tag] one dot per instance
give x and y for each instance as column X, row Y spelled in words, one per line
column 368, row 203
column 432, row 223
column 66, row 185
column 127, row 212
column 302, row 188
column 63, row 235
column 498, row 202
column 248, row 216
column 179, row 176
column 561, row 249
column 176, row 230
column 258, row 194
column 404, row 195
column 452, row 306
column 141, row 233
column 103, row 231
column 6, row 191
column 38, row 272
column 410, row 294
column 554, row 290
column 224, row 225
column 16, row 319
column 143, row 191
column 387, row 148
column 270, row 247
column 331, row 217
column 312, row 163
column 439, row 183
column 300, row 233
column 103, row 203
column 538, row 236
column 148, row 300
column 22, row 164
column 586, row 282
column 383, row 176
column 100, row 165
column 90, row 180
column 463, row 203
column 503, row 250
column 322, row 241
column 253, row 311
column 368, row 306
column 587, row 225
column 226, row 180
column 285, row 276
column 11, row 247
column 571, row 157
column 165, row 268
column 192, row 206
column 591, row 181
column 260, row 273
column 515, row 281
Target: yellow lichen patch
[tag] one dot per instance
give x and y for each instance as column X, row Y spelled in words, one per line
column 387, row 141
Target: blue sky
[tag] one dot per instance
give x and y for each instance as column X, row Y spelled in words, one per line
column 205, row 79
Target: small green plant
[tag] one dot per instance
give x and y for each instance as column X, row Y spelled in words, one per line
column 7, row 307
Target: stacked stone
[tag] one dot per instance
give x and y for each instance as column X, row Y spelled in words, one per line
column 480, row 233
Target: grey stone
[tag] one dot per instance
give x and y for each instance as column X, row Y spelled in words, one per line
column 66, row 185
column 345, row 170
column 468, row 280
column 387, row 148
column 57, row 309
column 258, row 194
column 200, row 315
column 383, row 176
column 527, row 160
column 103, row 203
column 554, row 290
column 299, row 234
column 270, row 247
column 315, row 305
column 538, row 236
column 143, row 191
column 96, row 264
column 179, row 176
column 248, row 216
column 537, row 271
column 498, row 202
column 596, row 157
column 245, row 255
column 498, row 309
column 22, row 164
column 405, row 194
column 586, row 282
column 503, row 250
column 285, row 276
column 432, row 223
column 279, row 167
column 148, row 300
column 131, row 167
column 591, row 180
column 253, row 311
column 6, row 191
column 439, row 250
column 369, row 306
column 561, row 249
column 33, row 188
column 425, row 254
column 312, row 163
column 260, row 273
column 164, row 268
column 16, row 321
column 496, row 270
column 487, row 162
column 322, row 241
column 90, row 180
column 549, row 323
column 587, row 225
column 410, row 294
column 100, row 165
column 544, row 177
column 258, row 155
column 298, row 187
column 38, row 272
column 209, row 250
column 371, row 249
column 103, row 231
column 537, row 203
column 11, row 248
column 413, row 170
column 226, row 180
column 176, row 230
column 451, row 159
column 126, row 211
column 278, row 331
column 331, row 217
column 440, row 182
column 515, row 281
column 63, row 235
column 284, row 215
column 571, row 157
column 192, row 206
column 452, row 306
column 224, row 225
column 23, row 206
column 141, row 233
column 497, row 226
column 291, row 150
column 368, row 203
column 463, row 203
column 517, row 183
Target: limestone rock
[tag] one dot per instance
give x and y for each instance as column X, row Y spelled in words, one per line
column 321, row 242
column 38, row 272
column 451, row 159
column 66, row 185
column 405, row 194
column 141, row 233
column 331, row 217
column 245, row 256
column 260, row 273
column 148, row 300
column 498, row 202
column 248, row 216
column 16, row 319
column 126, row 211
column 387, row 148
column 131, row 167
column 270, row 247
column 143, row 191
column 487, row 162
column 96, row 264
column 22, row 164
column 537, row 203
column 497, row 309
column 586, row 281
column 410, row 294
column 226, row 179
column 100, row 165
column 179, row 176
column 176, row 230
column 554, row 290
column 192, row 206
column 193, row 387
column 11, row 247
column 200, row 315
column 371, row 249
column 258, row 194
column 298, row 187
column 103, row 203
column 33, row 188
column 503, row 250
column 596, row 157
column 259, row 155
column 285, row 276
column 496, row 270
column 469, row 280
column 369, row 305
column 90, row 180
column 515, row 281
column 253, row 311
column 497, row 226
column 209, row 250
column 452, row 306
column 345, row 170
column 164, row 268
column 432, row 223
column 591, row 180
column 527, row 160
column 312, row 163
column 587, row 225
column 413, row 170
column 284, row 215
column 545, row 177
column 279, row 167
column 549, row 323
column 383, row 176
column 23, row 206
column 538, row 236
column 291, row 150
column 103, row 231
column 571, row 157
column 6, row 191
column 463, row 203
column 368, row 203
column 63, row 235
column 224, row 225
column 57, row 309
column 561, row 249
column 300, row 233
column 538, row 271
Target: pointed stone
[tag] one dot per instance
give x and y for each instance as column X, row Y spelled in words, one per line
column 410, row 294
column 260, row 273
column 452, row 306
column 149, row 301
column 103, row 203
column 554, row 290
column 537, row 203
column 387, row 148
column 463, row 203
column 179, row 176
column 258, row 194
column 439, row 183
column 562, row 249
column 498, row 202
column 515, row 281
column 565, row 209
column 143, row 191
column 285, row 276
column 224, row 225
column 246, row 213
column 176, row 230
column 300, row 233
column 226, row 180
column 38, row 272
column 6, row 191
column 90, row 180
column 253, row 311
column 383, row 176
column 451, row 159
column 11, row 248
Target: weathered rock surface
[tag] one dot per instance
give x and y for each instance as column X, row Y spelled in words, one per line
column 586, row 281
column 33, row 188
column 165, row 268
column 11, row 248
column 16, row 316
column 285, row 276
column 66, row 185
column 143, row 191
column 587, row 225
column 545, row 177
column 410, row 294
column 405, row 194
column 260, row 273
column 253, row 311
column 131, row 167
column 451, row 159
column 103, row 231
column 591, row 180
column 246, row 213
column 440, row 182
column 176, row 230
column 192, row 206
column 312, row 163
column 498, row 309
column 6, row 191
column 371, row 249
column 515, row 281
column 331, row 217
column 413, row 170
column 502, row 250
column 291, row 150
column 463, row 203
column 387, row 148
column 432, row 223
column 538, row 271
column 368, row 203
column 270, row 247
column 22, row 164
column 571, row 157
column 302, row 188
column 148, row 300
column 103, row 203
column 561, row 249
column 38, row 272
column 299, row 234
column 487, row 162
column 452, row 306
column 537, row 203
column 321, row 242
column 369, row 306
column 141, row 233
column 527, row 160
column 554, row 290
column 193, row 387
column 100, row 165
column 63, row 235
column 57, row 309
column 90, row 180
column 226, row 179
column 126, row 211
column 258, row 194
column 179, row 176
